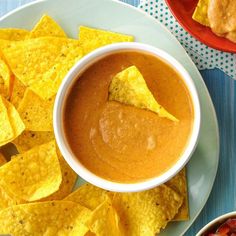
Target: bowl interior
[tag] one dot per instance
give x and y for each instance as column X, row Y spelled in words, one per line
column 64, row 90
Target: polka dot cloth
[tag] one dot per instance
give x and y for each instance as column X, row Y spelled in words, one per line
column 203, row 56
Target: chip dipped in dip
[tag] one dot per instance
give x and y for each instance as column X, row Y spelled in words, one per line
column 121, row 142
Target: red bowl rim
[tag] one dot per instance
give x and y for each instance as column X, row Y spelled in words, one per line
column 188, row 29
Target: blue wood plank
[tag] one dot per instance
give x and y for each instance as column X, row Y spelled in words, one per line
column 222, row 90
column 223, row 195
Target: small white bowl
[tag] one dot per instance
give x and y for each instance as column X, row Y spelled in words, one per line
column 64, row 89
column 219, row 220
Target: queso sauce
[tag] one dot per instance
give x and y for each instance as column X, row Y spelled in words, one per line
column 123, row 143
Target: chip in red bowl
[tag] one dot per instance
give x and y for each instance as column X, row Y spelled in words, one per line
column 183, row 11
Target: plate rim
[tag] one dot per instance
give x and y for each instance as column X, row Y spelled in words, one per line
column 209, row 100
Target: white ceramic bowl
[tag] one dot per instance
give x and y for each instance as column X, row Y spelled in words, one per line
column 67, row 83
column 216, row 222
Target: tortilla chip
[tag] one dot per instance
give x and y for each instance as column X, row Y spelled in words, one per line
column 51, row 81
column 6, row 131
column 47, row 27
column 34, row 174
column 7, row 77
column 18, row 90
column 201, row 13
column 2, row 159
column 68, row 180
column 4, row 44
column 29, row 59
column 30, row 139
column 146, row 213
column 14, row 117
column 130, row 88
column 35, row 112
column 42, row 63
column 105, row 221
column 10, row 122
column 45, row 218
column 5, row 73
column 7, row 199
column 179, row 184
column 3, row 89
column 92, row 38
column 89, row 196
column 13, row 34
column 89, row 233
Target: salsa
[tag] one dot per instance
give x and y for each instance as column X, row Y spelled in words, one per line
column 228, row 228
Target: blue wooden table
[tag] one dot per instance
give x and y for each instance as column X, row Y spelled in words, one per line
column 223, row 93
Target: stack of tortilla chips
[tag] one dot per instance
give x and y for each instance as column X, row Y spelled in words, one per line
column 36, row 183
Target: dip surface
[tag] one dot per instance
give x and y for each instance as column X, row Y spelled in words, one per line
column 123, row 143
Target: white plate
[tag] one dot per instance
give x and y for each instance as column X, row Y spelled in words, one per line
column 116, row 16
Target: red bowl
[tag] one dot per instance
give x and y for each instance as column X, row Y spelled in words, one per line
column 183, row 11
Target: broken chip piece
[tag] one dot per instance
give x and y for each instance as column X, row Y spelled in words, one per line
column 45, row 218
column 179, row 184
column 105, row 221
column 89, row 196
column 34, row 174
column 35, row 112
column 146, row 213
column 30, row 139
column 10, row 122
column 200, row 14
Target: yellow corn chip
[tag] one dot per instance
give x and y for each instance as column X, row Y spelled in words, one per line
column 68, row 180
column 179, row 184
column 145, row 213
column 7, row 77
column 105, row 221
column 45, row 218
column 13, row 34
column 89, row 196
column 3, row 89
column 2, row 159
column 6, row 131
column 89, row 233
column 47, row 27
column 4, row 44
column 51, row 80
column 129, row 87
column 30, row 139
column 10, row 122
column 35, row 112
column 42, row 62
column 33, row 175
column 7, row 199
column 200, row 14
column 92, row 38
column 18, row 90
column 5, row 73
column 30, row 59
column 15, row 120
